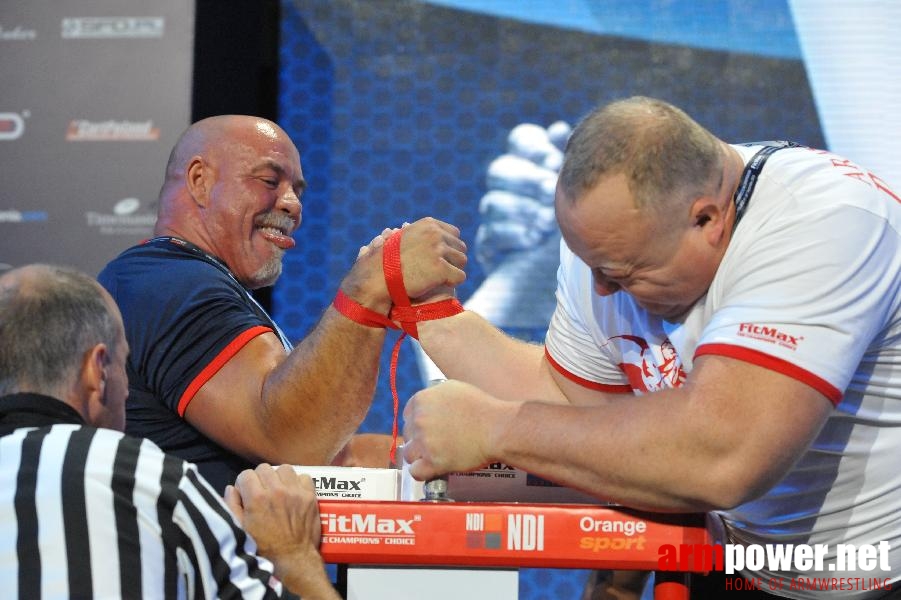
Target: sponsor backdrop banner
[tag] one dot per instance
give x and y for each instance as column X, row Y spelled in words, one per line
column 94, row 93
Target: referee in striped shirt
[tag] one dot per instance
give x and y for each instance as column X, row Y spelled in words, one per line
column 88, row 512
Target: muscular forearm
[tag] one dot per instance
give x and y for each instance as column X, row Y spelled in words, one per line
column 302, row 408
column 317, row 397
column 611, row 454
column 711, row 444
column 469, row 348
column 636, row 456
column 321, row 393
column 673, row 450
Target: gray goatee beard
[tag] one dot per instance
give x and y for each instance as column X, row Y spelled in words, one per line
column 268, row 273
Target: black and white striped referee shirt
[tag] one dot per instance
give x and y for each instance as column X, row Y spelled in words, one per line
column 93, row 513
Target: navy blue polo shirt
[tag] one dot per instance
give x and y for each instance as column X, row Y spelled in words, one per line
column 184, row 316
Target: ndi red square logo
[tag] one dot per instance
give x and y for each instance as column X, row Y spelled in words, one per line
column 484, row 531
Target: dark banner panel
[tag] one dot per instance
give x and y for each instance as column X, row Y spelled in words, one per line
column 94, row 93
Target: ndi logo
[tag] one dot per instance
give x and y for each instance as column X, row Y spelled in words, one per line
column 522, row 531
column 525, row 532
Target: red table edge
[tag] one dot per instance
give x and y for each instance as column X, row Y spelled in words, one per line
column 675, row 529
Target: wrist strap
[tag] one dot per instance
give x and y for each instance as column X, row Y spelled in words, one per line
column 358, row 313
column 402, row 312
column 394, row 279
column 426, row 312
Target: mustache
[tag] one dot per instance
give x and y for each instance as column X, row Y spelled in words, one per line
column 278, row 221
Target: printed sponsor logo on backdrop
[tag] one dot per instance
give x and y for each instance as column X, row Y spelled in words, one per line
column 126, row 218
column 113, row 27
column 22, row 216
column 17, row 34
column 12, row 125
column 82, row 130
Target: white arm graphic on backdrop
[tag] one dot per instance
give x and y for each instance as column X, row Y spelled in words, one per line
column 517, row 242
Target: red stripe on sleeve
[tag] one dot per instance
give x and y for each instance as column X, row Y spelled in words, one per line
column 216, row 364
column 772, row 363
column 592, row 385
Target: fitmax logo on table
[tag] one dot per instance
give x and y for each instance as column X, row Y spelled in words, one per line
column 333, row 483
column 335, row 487
column 367, row 524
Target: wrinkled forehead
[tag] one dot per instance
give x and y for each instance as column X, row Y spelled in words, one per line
column 608, row 204
column 604, row 222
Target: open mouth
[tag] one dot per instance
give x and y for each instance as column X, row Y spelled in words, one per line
column 277, row 235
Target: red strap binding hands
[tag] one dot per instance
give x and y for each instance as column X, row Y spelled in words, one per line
column 394, row 279
column 358, row 313
column 402, row 311
column 425, row 312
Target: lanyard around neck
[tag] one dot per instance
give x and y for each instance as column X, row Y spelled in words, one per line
column 751, row 174
column 209, row 258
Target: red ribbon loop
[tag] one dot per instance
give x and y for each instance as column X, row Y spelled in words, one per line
column 402, row 312
column 394, row 279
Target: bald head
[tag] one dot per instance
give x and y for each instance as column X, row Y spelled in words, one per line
column 233, row 187
column 206, row 135
column 49, row 317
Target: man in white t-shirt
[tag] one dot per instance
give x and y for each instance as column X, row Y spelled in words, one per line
column 752, row 293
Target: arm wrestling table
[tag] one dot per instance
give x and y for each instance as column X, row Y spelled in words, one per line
column 501, row 535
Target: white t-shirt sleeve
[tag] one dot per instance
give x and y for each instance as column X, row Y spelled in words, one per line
column 804, row 296
column 572, row 343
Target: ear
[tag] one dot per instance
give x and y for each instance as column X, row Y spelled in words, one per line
column 198, row 180
column 709, row 218
column 92, row 379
